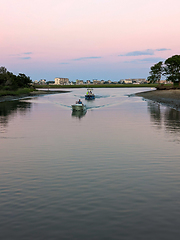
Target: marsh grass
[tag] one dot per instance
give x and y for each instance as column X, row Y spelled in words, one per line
column 17, row 92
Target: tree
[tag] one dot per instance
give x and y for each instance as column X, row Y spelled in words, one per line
column 155, row 73
column 12, row 81
column 3, row 75
column 22, row 80
column 172, row 69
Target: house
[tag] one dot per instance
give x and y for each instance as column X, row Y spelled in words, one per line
column 95, row 81
column 127, row 81
column 88, row 82
column 79, row 82
column 61, row 81
column 42, row 82
column 139, row 80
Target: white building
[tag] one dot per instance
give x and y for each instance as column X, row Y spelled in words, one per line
column 127, row 81
column 61, row 81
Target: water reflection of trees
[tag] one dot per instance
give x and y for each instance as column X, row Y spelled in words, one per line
column 172, row 120
column 10, row 109
column 155, row 113
column 166, row 117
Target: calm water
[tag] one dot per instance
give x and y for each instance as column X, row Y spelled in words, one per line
column 111, row 173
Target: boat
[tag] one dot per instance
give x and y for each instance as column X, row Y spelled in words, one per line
column 78, row 106
column 89, row 95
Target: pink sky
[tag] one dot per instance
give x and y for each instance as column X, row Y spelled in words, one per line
column 87, row 39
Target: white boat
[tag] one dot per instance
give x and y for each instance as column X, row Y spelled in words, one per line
column 78, row 107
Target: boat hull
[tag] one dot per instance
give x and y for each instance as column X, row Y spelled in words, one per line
column 78, row 107
column 89, row 97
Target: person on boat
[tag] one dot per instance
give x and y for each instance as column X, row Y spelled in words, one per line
column 79, row 102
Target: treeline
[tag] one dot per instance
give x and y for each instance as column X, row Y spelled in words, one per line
column 9, row 81
column 170, row 69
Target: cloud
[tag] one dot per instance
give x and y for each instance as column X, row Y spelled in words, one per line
column 139, row 53
column 25, row 58
column 85, row 58
column 22, row 55
column 27, row 53
column 162, row 49
column 149, row 52
column 151, row 59
column 64, row 63
column 145, row 60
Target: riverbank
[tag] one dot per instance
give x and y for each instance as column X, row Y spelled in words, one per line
column 30, row 94
column 170, row 98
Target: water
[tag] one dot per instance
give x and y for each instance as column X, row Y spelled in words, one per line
column 109, row 173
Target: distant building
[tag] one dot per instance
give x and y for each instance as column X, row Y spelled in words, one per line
column 127, row 81
column 164, row 82
column 121, row 81
column 139, row 80
column 61, row 81
column 95, row 81
column 50, row 82
column 42, row 82
column 133, row 81
column 88, row 82
column 79, row 82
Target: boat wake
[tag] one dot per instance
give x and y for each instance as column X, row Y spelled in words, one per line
column 96, row 96
column 100, row 106
column 102, row 96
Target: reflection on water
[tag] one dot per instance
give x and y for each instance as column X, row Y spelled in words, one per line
column 10, row 109
column 155, row 113
column 78, row 114
column 112, row 173
column 166, row 117
column 172, row 120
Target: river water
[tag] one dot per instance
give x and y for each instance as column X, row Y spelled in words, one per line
column 112, row 172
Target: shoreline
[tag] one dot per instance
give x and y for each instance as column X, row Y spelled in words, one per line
column 37, row 93
column 170, row 98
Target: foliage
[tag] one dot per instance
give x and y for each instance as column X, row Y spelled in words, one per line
column 172, row 69
column 155, row 73
column 9, row 81
column 3, row 75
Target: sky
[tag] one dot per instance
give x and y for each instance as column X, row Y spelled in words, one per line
column 87, row 39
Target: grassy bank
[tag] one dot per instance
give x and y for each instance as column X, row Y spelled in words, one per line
column 16, row 92
column 98, row 86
